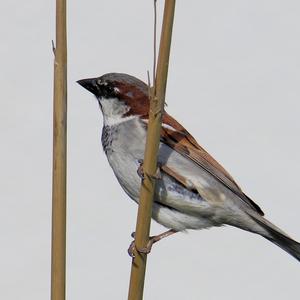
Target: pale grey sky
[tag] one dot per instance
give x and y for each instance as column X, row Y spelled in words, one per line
column 233, row 83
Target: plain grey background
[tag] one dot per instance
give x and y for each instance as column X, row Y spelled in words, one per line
column 233, row 83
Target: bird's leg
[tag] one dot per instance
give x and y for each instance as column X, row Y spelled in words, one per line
column 156, row 238
column 152, row 240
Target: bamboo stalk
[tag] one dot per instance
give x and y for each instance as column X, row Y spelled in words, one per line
column 138, row 267
column 58, row 254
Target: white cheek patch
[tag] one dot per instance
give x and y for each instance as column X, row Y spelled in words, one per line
column 113, row 111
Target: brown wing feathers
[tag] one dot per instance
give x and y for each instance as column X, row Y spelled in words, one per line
column 191, row 149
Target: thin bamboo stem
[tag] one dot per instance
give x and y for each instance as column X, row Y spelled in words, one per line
column 58, row 254
column 138, row 267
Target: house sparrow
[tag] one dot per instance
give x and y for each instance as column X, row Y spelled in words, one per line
column 193, row 191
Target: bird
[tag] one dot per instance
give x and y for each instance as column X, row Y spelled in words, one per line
column 193, row 191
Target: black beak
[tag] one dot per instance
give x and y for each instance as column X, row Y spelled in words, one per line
column 90, row 84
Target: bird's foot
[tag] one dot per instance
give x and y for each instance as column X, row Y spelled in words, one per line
column 152, row 239
column 141, row 173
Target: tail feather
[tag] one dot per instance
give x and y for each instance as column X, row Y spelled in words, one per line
column 277, row 236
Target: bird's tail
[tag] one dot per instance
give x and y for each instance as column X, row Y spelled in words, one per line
column 277, row 236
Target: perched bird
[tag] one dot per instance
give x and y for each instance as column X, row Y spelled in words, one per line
column 193, row 191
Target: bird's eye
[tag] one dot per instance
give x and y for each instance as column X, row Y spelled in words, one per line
column 101, row 83
column 107, row 88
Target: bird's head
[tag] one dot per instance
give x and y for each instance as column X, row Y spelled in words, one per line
column 119, row 95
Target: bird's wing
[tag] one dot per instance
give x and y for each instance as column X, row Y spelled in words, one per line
column 179, row 139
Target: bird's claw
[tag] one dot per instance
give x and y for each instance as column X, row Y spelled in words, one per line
column 140, row 169
column 145, row 250
column 131, row 249
column 141, row 173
